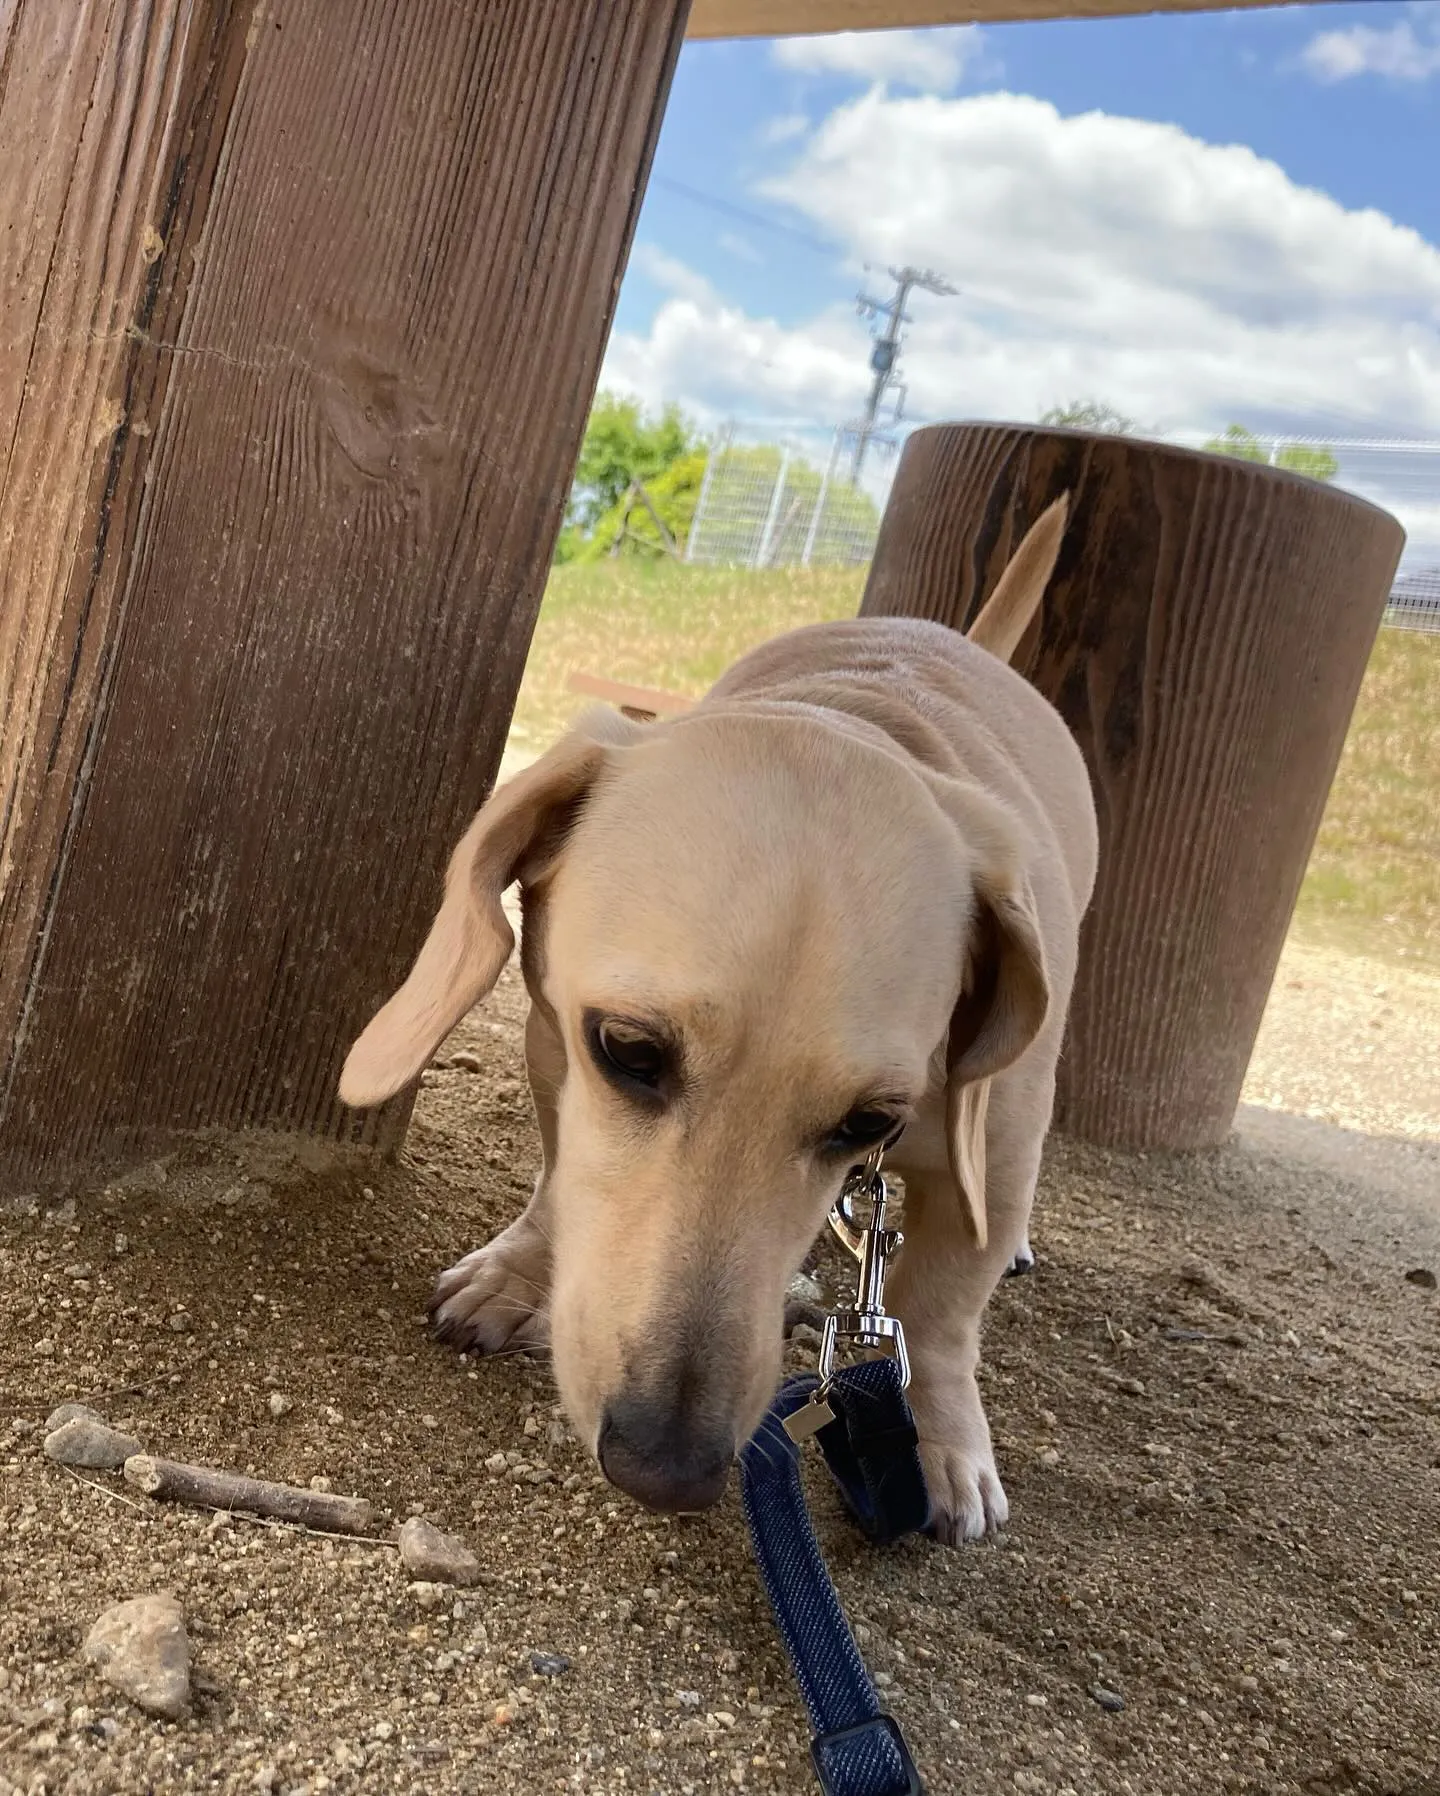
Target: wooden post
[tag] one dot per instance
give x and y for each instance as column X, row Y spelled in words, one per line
column 301, row 310
column 1204, row 638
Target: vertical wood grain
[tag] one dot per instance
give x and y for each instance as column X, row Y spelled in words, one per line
column 1204, row 638
column 394, row 237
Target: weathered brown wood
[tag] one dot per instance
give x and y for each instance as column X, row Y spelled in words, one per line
column 648, row 702
column 1204, row 637
column 300, row 314
column 785, row 18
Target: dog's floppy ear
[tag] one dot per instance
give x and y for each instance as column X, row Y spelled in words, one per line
column 1005, row 995
column 515, row 832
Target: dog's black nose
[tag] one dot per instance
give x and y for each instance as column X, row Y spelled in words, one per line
column 663, row 1459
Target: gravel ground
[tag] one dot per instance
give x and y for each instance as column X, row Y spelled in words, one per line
column 1216, row 1410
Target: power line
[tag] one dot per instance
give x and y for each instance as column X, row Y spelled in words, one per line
column 744, row 215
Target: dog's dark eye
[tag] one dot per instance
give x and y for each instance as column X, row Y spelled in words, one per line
column 865, row 1128
column 622, row 1048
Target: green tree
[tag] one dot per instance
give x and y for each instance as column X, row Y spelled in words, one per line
column 1239, row 444
column 674, row 493
column 1089, row 414
column 1313, row 460
column 622, row 444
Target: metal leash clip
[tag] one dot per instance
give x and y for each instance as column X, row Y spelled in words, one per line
column 866, row 1324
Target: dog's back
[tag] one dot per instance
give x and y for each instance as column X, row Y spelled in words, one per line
column 939, row 696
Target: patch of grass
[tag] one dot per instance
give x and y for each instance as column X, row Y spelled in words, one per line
column 1374, row 880
column 1373, row 884
column 656, row 624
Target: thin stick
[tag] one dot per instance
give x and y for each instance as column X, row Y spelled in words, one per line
column 115, row 1496
column 209, row 1488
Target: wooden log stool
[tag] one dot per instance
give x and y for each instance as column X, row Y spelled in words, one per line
column 1204, row 637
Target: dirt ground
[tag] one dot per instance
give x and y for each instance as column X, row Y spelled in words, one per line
column 1217, row 1410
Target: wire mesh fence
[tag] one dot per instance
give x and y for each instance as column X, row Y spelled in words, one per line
column 1402, row 476
column 767, row 503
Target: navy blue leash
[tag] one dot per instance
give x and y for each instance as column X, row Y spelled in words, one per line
column 870, row 1448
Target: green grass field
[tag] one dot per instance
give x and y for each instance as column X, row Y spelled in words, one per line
column 1374, row 881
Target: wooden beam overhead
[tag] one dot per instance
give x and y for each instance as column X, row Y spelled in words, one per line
column 800, row 18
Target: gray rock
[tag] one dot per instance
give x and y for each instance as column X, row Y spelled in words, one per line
column 804, row 1289
column 436, row 1557
column 87, row 1441
column 141, row 1647
column 1109, row 1700
column 68, row 1412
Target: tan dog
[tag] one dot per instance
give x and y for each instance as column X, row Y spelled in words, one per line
column 836, row 900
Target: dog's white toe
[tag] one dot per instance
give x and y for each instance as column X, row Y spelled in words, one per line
column 496, row 1297
column 1023, row 1262
column 967, row 1499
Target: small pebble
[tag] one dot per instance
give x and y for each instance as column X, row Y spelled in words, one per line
column 179, row 1323
column 142, row 1649
column 688, row 1699
column 806, row 1335
column 280, row 1404
column 549, row 1665
column 441, row 1558
column 91, row 1444
column 805, row 1289
column 466, row 1062
column 1049, row 1457
column 1422, row 1277
column 1109, row 1700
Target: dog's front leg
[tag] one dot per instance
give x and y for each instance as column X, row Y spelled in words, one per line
column 939, row 1289
column 499, row 1296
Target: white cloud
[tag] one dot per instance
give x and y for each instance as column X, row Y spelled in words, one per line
column 736, row 245
column 931, row 61
column 671, row 274
column 1187, row 284
column 1397, row 52
column 784, row 129
column 720, row 362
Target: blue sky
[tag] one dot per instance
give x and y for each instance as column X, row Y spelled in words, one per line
column 1196, row 218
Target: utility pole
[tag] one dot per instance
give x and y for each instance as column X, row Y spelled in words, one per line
column 885, row 353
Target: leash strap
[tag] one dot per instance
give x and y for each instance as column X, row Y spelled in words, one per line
column 872, row 1453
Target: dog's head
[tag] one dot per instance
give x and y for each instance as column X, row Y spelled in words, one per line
column 754, row 946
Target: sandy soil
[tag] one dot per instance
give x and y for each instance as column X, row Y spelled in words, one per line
column 1239, row 1534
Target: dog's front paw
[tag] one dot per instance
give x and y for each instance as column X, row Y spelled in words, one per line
column 967, row 1499
column 497, row 1297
